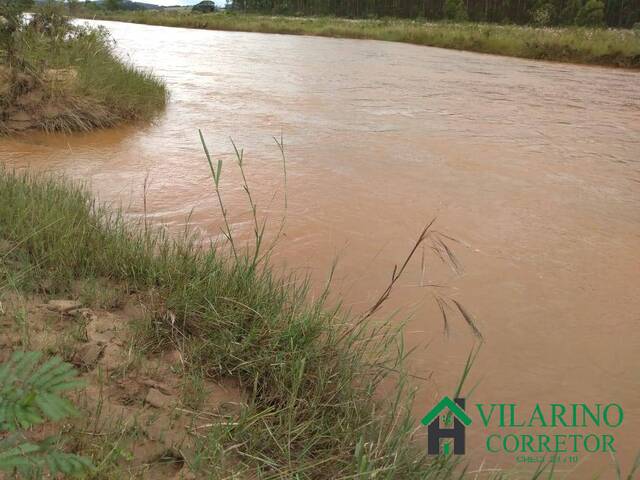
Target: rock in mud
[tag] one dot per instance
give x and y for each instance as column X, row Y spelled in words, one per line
column 158, row 386
column 113, row 357
column 63, row 306
column 103, row 329
column 157, row 399
column 88, row 354
column 147, row 451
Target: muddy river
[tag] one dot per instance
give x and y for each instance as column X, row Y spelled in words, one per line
column 533, row 167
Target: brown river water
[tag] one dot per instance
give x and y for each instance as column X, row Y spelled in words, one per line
column 533, row 167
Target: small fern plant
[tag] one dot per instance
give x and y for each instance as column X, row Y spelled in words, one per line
column 30, row 395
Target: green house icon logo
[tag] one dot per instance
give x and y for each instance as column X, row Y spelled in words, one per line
column 448, row 410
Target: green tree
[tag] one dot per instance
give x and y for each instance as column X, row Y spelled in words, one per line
column 621, row 13
column 570, row 11
column 591, row 14
column 455, row 10
column 113, row 4
column 89, row 5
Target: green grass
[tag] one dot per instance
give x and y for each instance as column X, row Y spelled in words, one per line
column 309, row 375
column 572, row 44
column 73, row 81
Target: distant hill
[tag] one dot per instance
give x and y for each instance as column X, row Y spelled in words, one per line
column 128, row 5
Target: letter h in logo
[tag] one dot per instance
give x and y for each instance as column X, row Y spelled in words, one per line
column 456, row 433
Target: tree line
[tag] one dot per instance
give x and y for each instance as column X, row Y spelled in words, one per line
column 612, row 13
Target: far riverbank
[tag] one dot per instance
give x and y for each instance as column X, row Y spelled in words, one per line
column 594, row 46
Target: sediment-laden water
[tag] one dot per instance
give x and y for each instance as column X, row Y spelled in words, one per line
column 533, row 167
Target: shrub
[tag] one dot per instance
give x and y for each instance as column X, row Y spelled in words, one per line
column 50, row 19
column 591, row 14
column 543, row 15
column 30, row 395
column 569, row 13
column 455, row 10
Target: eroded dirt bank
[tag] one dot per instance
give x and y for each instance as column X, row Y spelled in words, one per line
column 142, row 413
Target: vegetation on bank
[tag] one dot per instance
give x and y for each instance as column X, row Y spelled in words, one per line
column 55, row 76
column 597, row 46
column 309, row 373
column 611, row 13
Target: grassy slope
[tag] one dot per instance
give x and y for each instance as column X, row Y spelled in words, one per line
column 578, row 45
column 310, row 381
column 75, row 82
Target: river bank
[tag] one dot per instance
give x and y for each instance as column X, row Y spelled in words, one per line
column 596, row 46
column 58, row 77
column 270, row 381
